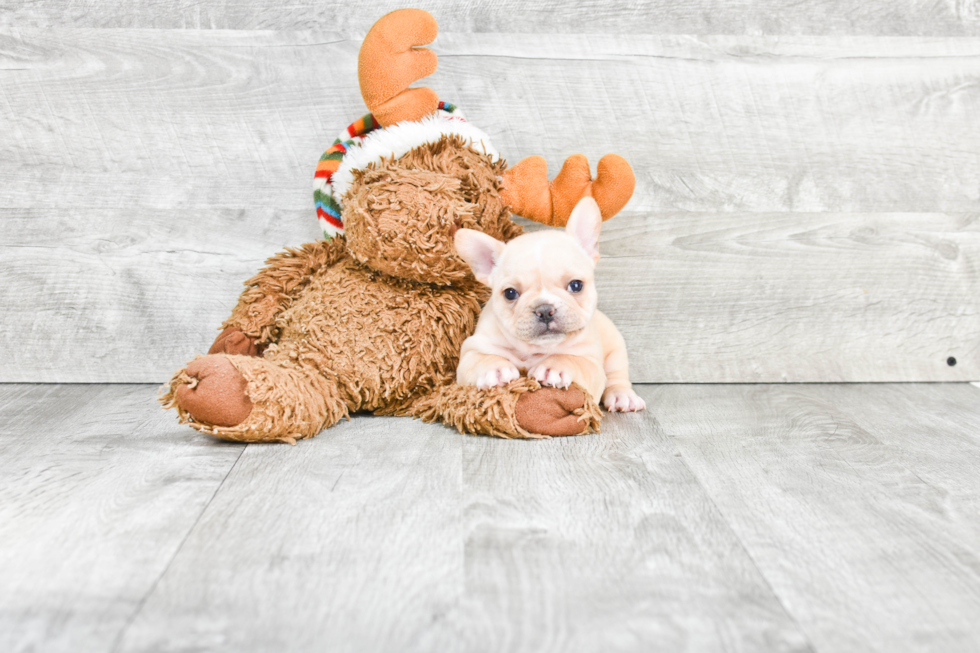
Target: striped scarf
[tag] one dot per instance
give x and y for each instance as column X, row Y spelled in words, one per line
column 328, row 207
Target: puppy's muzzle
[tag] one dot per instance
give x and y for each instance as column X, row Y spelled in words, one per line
column 545, row 313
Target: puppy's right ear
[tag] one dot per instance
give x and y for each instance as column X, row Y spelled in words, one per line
column 479, row 250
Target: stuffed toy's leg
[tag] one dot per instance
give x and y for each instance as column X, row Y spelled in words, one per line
column 521, row 409
column 238, row 396
column 250, row 399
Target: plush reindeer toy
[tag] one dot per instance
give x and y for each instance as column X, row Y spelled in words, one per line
column 373, row 317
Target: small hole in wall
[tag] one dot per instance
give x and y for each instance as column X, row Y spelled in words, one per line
column 951, row 361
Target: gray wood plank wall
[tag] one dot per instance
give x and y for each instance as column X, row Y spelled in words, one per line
column 882, row 17
column 807, row 175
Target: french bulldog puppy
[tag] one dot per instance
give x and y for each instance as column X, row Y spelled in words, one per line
column 542, row 315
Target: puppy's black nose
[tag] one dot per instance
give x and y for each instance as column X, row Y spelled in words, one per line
column 545, row 313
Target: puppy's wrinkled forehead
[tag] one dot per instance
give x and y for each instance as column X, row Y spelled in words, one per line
column 542, row 258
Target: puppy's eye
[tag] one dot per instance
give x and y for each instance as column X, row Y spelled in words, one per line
column 575, row 286
column 511, row 294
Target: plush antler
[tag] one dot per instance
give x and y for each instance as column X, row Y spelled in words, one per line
column 389, row 61
column 527, row 190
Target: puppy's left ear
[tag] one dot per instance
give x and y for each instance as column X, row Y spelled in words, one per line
column 584, row 225
column 479, row 250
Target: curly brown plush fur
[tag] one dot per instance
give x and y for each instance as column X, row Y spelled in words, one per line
column 373, row 322
column 522, row 409
column 271, row 291
column 400, row 216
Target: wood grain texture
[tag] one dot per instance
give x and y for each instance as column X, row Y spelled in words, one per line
column 858, row 503
column 794, row 297
column 900, row 18
column 352, row 543
column 937, row 440
column 98, row 489
column 148, row 173
column 699, row 297
column 606, row 543
column 137, row 119
column 121, row 298
column 391, row 535
column 832, row 517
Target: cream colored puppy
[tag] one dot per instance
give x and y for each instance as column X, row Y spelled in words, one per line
column 542, row 315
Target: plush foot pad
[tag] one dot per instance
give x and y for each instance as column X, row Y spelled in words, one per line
column 552, row 411
column 215, row 393
column 233, row 341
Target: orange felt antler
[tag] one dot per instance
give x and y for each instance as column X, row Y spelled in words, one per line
column 527, row 190
column 389, row 61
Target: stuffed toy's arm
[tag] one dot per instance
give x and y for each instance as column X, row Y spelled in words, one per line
column 530, row 194
column 252, row 324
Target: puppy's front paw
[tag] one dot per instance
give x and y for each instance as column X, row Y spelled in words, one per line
column 622, row 400
column 497, row 374
column 550, row 375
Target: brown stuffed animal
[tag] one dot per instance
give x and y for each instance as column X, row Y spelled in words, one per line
column 373, row 318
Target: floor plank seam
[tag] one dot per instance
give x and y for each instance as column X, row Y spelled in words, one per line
column 741, row 545
column 139, row 607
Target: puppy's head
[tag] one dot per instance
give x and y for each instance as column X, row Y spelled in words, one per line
column 543, row 282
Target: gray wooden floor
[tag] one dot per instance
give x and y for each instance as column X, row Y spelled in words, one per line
column 727, row 517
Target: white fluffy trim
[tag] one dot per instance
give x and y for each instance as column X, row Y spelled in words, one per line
column 402, row 137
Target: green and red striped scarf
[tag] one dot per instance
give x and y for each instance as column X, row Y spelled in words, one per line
column 328, row 207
